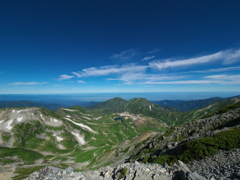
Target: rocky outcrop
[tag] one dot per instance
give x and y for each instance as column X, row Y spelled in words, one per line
column 126, row 171
column 188, row 132
column 225, row 165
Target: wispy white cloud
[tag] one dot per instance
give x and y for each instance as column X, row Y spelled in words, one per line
column 127, row 54
column 27, row 83
column 231, row 56
column 129, row 78
column 140, row 78
column 148, row 58
column 145, row 74
column 114, row 69
column 228, row 57
column 214, row 79
column 217, row 70
column 65, row 77
column 77, row 74
column 154, row 51
column 169, row 63
column 80, row 81
column 225, row 79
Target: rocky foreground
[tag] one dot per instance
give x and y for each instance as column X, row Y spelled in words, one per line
column 223, row 166
column 127, row 171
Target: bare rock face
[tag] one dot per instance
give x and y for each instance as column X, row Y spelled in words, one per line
column 53, row 173
column 126, row 171
column 224, row 165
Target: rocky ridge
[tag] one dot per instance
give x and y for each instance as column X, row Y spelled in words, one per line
column 223, row 166
column 190, row 131
column 126, row 171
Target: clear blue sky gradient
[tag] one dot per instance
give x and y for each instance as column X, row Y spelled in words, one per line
column 97, row 46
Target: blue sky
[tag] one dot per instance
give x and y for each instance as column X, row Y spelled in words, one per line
column 73, row 46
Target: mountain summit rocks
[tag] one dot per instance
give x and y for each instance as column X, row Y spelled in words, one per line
column 127, row 171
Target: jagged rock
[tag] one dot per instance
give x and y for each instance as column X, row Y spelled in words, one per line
column 127, row 171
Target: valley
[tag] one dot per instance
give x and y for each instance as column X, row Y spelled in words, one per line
column 106, row 134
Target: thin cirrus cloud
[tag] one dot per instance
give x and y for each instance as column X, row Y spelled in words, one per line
column 80, row 81
column 228, row 57
column 27, row 83
column 217, row 70
column 147, row 74
column 77, row 74
column 140, row 78
column 225, row 79
column 127, row 54
column 154, row 51
column 214, row 79
column 148, row 58
column 107, row 70
column 65, row 77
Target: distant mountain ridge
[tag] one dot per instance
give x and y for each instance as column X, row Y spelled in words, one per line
column 185, row 106
column 53, row 106
column 135, row 105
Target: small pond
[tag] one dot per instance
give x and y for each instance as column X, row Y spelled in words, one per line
column 119, row 118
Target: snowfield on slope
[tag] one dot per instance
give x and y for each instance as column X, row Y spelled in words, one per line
column 58, row 138
column 79, row 138
column 81, row 125
column 9, row 127
column 72, row 110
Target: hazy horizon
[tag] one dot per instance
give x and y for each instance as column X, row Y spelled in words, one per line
column 98, row 97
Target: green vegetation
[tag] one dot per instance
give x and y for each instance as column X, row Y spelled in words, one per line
column 25, row 155
column 104, row 146
column 200, row 148
column 169, row 132
column 223, row 110
column 123, row 173
column 25, row 172
column 6, row 136
column 26, row 132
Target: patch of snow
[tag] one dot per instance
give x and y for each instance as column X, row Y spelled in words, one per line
column 58, row 137
column 150, row 107
column 79, row 138
column 81, row 125
column 68, row 116
column 13, row 110
column 19, row 119
column 61, row 146
column 97, row 118
column 41, row 115
column 9, row 127
column 19, row 111
column 87, row 118
column 1, row 121
column 68, row 109
column 55, row 120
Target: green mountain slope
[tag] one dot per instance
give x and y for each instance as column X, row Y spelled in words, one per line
column 70, row 136
column 109, row 133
